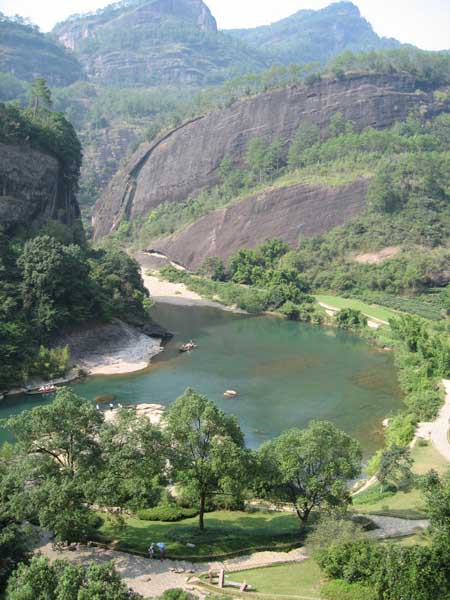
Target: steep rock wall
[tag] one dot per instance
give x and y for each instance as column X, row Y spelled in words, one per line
column 33, row 189
column 288, row 213
column 185, row 161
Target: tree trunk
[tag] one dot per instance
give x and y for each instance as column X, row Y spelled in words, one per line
column 201, row 516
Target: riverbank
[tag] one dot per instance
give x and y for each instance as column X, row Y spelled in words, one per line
column 178, row 293
column 114, row 348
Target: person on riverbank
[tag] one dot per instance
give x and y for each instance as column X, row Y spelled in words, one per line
column 162, row 550
column 151, row 551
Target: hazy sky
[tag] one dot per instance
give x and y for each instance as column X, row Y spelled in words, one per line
column 425, row 23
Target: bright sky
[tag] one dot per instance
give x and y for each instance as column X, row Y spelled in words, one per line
column 424, row 23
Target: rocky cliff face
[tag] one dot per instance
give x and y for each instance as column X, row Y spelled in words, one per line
column 289, row 213
column 33, row 189
column 186, row 160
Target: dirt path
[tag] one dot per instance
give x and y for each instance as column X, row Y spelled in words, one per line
column 152, row 578
column 438, row 431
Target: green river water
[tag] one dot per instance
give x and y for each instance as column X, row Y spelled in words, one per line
column 286, row 374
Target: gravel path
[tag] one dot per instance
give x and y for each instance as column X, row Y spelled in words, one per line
column 437, row 431
column 152, row 578
column 390, row 527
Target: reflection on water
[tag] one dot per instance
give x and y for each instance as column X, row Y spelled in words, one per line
column 286, row 374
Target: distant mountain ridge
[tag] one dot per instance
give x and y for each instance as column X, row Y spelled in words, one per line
column 153, row 42
column 25, row 53
column 315, row 35
column 156, row 42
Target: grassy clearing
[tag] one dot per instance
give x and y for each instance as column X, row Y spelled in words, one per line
column 226, row 533
column 294, row 579
column 405, row 505
column 375, row 312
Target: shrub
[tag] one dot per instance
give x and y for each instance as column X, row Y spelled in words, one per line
column 401, row 430
column 169, row 514
column 341, row 590
column 50, row 363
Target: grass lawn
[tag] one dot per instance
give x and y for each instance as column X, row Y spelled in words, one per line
column 375, row 312
column 225, row 533
column 407, row 505
column 293, row 579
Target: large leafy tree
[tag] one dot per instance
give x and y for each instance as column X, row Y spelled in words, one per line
column 208, row 455
column 309, row 468
column 63, row 581
column 133, row 466
column 14, row 537
column 56, row 287
column 57, row 455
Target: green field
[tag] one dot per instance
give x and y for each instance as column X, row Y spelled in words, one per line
column 226, row 533
column 375, row 312
column 294, row 579
column 406, row 505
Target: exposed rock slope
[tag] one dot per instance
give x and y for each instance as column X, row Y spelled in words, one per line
column 288, row 213
column 33, row 189
column 186, row 160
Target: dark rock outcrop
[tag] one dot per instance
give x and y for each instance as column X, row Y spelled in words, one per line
column 185, row 161
column 33, row 189
column 288, row 213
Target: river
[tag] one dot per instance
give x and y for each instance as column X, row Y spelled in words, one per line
column 286, row 374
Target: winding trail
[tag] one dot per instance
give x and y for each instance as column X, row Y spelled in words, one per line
column 438, row 430
column 152, row 577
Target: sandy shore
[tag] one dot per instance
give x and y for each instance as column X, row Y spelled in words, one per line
column 111, row 349
column 178, row 293
column 438, row 431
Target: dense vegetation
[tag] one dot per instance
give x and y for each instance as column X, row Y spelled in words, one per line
column 50, row 279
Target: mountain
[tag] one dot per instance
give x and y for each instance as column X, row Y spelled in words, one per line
column 25, row 53
column 187, row 160
column 155, row 42
column 310, row 35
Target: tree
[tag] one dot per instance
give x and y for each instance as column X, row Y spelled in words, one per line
column 207, row 449
column 255, row 157
column 214, row 268
column 351, row 319
column 309, row 468
column 40, row 97
column 14, row 537
column 437, row 494
column 133, row 464
column 41, row 580
column 57, row 454
column 306, row 136
column 395, row 467
column 56, row 287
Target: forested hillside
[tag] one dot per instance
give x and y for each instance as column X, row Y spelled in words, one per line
column 309, row 35
column 26, row 53
column 50, row 279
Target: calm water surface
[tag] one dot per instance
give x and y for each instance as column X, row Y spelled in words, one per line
column 286, row 374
